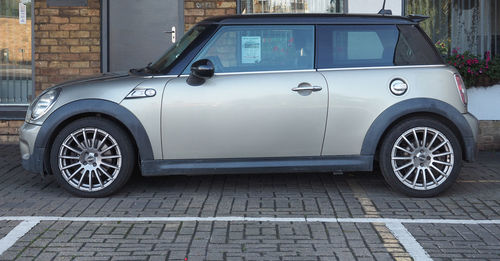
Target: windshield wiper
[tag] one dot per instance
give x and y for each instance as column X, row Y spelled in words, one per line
column 146, row 69
column 149, row 69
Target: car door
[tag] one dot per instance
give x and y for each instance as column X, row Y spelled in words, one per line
column 360, row 62
column 265, row 99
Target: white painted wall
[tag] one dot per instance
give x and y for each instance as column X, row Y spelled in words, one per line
column 373, row 6
column 484, row 102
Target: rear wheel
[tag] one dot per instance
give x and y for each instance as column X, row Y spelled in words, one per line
column 420, row 157
column 92, row 157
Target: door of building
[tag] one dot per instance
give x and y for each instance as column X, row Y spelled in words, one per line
column 139, row 31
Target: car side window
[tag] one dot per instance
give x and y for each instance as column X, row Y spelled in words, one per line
column 260, row 48
column 414, row 49
column 356, row 45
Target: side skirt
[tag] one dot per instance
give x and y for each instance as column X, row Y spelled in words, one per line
column 256, row 165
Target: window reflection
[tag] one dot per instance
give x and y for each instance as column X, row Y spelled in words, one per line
column 291, row 6
column 16, row 85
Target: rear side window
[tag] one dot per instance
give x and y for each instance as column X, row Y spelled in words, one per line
column 356, row 46
column 341, row 46
column 260, row 48
column 414, row 49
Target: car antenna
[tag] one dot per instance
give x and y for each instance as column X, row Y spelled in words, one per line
column 384, row 11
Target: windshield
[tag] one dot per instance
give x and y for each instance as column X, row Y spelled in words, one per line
column 171, row 55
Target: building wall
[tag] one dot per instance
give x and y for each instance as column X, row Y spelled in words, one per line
column 373, row 6
column 195, row 11
column 67, row 43
column 9, row 131
column 67, row 46
column 489, row 135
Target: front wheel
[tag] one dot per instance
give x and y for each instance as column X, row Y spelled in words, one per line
column 420, row 157
column 92, row 157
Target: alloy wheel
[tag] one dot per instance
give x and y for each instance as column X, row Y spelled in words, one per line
column 89, row 159
column 422, row 158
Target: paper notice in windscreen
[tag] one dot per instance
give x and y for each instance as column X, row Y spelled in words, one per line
column 250, row 49
column 22, row 13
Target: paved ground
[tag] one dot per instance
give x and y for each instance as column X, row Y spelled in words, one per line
column 280, row 197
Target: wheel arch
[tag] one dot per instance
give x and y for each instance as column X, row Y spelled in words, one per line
column 439, row 110
column 91, row 107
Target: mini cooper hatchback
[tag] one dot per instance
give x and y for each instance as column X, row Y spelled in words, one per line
column 263, row 94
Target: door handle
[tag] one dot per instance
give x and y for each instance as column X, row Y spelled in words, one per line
column 173, row 34
column 307, row 88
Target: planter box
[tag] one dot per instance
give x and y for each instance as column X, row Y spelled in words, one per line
column 484, row 102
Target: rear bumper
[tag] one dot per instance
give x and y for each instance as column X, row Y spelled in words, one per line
column 470, row 143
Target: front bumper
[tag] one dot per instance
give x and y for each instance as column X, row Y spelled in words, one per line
column 471, row 149
column 32, row 158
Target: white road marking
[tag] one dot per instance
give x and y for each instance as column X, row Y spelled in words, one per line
column 411, row 245
column 395, row 225
column 254, row 219
column 15, row 234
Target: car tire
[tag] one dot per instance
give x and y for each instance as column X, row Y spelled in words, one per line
column 92, row 157
column 420, row 157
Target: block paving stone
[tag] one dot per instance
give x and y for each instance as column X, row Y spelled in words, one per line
column 476, row 195
column 199, row 241
column 458, row 242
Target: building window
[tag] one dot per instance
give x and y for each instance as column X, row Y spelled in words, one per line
column 471, row 25
column 16, row 86
column 291, row 6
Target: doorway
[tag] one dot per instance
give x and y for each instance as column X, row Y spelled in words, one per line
column 137, row 32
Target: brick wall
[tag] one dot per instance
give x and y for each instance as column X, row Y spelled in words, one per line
column 67, row 46
column 195, row 11
column 9, row 131
column 67, row 43
column 489, row 135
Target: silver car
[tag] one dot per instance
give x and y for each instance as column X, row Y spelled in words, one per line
column 263, row 94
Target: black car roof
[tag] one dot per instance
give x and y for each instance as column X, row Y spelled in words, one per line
column 308, row 19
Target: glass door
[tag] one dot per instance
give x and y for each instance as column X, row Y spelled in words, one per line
column 16, row 85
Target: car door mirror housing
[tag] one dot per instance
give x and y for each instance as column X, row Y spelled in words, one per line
column 200, row 71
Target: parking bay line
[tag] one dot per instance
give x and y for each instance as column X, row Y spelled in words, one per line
column 414, row 249
column 395, row 225
column 397, row 251
column 254, row 219
column 478, row 181
column 16, row 233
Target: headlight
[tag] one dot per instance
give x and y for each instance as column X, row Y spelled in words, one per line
column 43, row 103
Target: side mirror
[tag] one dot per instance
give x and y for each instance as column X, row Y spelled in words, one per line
column 200, row 71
